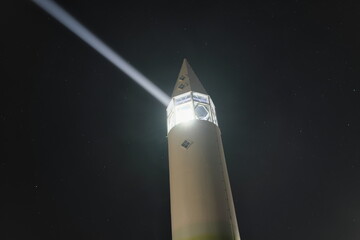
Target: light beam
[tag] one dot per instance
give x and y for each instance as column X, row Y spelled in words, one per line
column 82, row 32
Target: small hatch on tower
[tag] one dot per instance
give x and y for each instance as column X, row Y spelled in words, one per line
column 186, row 144
column 181, row 86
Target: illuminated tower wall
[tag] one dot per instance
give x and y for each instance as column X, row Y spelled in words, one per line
column 202, row 206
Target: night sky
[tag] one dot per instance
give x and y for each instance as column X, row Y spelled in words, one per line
column 84, row 148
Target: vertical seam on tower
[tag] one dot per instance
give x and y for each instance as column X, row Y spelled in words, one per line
column 225, row 185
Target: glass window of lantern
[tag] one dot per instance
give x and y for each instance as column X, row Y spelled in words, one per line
column 171, row 121
column 183, row 98
column 184, row 112
column 213, row 112
column 198, row 97
column 170, row 108
column 202, row 111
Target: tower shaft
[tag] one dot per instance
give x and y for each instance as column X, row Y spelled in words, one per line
column 202, row 206
column 201, row 201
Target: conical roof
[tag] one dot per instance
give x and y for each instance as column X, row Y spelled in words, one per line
column 187, row 81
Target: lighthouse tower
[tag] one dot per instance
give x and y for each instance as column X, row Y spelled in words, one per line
column 202, row 206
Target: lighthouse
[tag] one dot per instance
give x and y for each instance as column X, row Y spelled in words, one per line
column 201, row 202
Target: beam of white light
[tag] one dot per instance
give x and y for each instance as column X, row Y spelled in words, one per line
column 82, row 32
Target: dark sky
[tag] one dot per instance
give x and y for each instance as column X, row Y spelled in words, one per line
column 84, row 149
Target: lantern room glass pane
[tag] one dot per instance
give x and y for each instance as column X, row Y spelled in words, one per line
column 202, row 112
column 171, row 121
column 170, row 108
column 213, row 112
column 198, row 97
column 184, row 112
column 183, row 98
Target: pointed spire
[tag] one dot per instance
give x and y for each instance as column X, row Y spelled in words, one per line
column 187, row 81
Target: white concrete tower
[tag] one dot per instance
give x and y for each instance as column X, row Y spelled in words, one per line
column 202, row 207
